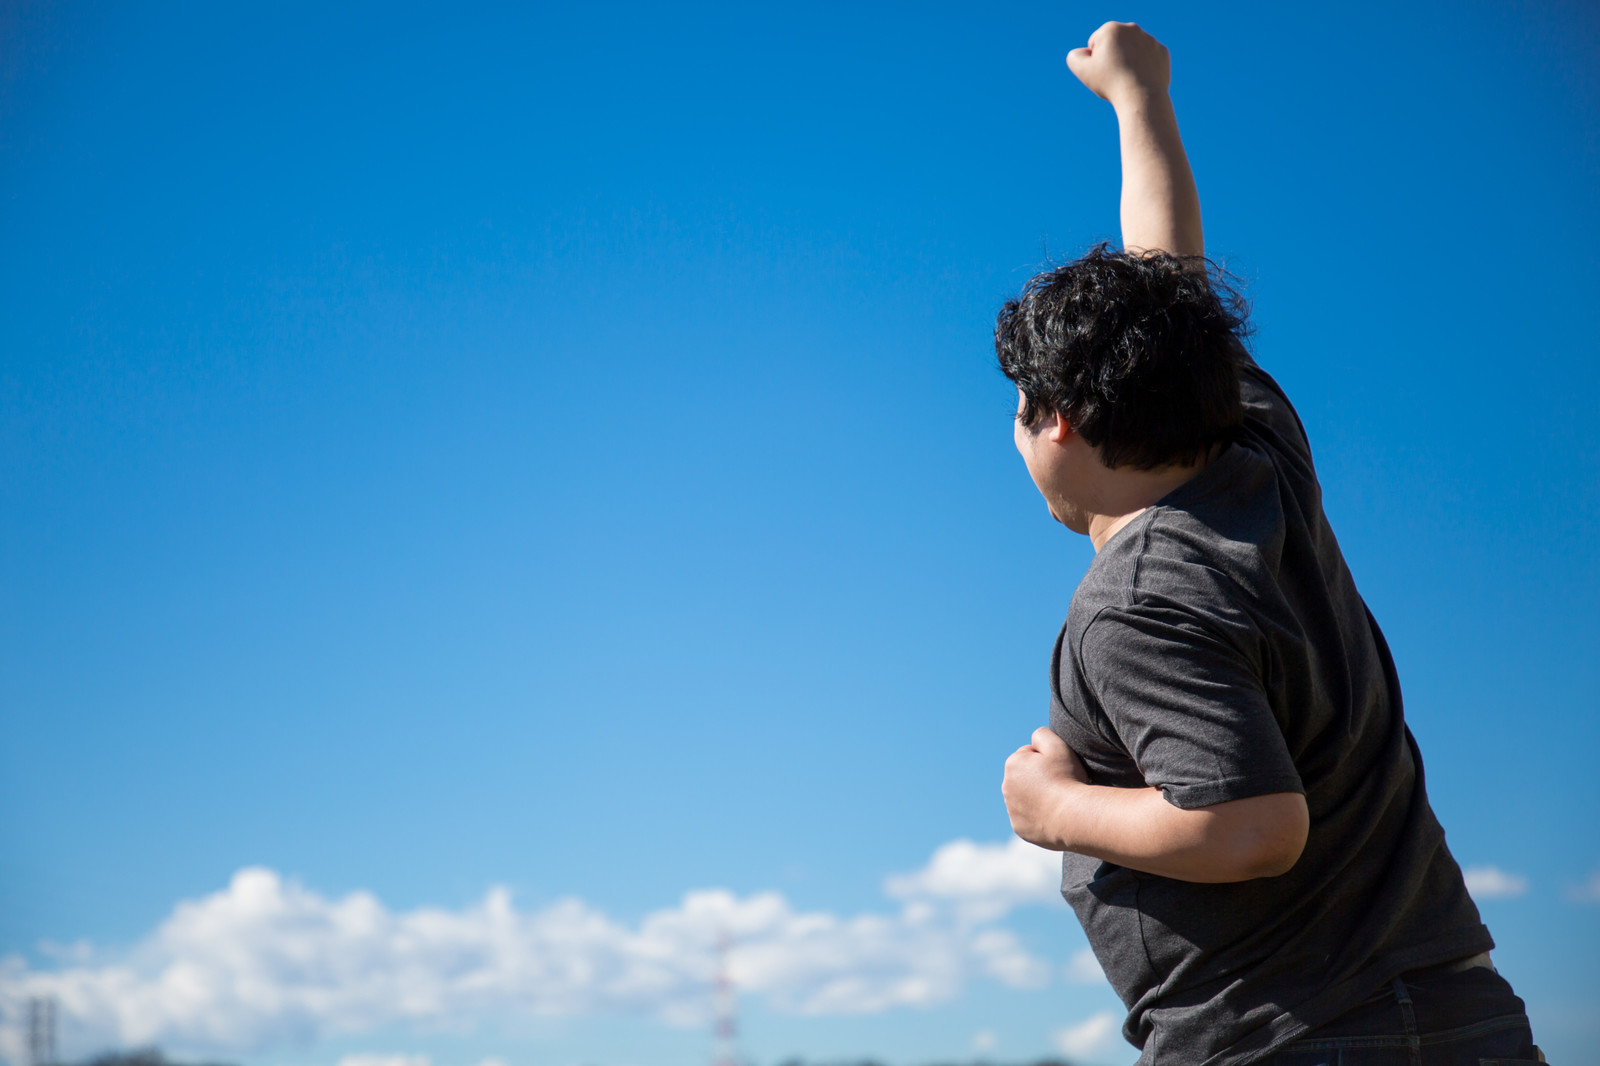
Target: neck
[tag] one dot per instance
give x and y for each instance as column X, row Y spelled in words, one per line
column 1103, row 527
column 1128, row 493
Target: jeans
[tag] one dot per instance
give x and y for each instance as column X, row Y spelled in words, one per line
column 1428, row 1017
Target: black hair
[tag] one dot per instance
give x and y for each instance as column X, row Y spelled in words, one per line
column 1139, row 352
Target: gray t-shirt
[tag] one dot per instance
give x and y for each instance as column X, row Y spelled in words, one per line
column 1217, row 649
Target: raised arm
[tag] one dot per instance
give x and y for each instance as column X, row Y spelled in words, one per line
column 1129, row 69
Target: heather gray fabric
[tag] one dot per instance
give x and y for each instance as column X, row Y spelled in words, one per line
column 1217, row 649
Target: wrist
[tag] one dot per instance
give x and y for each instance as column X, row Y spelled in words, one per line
column 1139, row 100
column 1065, row 814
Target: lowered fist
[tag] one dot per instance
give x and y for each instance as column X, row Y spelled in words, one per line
column 1121, row 61
column 1036, row 777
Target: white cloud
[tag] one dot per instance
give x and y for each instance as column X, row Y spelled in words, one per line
column 983, row 881
column 266, row 962
column 370, row 1059
column 1491, row 882
column 1084, row 969
column 984, row 1040
column 1588, row 892
column 1093, row 1034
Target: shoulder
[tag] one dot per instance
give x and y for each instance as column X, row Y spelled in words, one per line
column 1169, row 579
column 1270, row 419
column 1112, row 579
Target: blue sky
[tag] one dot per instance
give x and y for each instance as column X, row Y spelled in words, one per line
column 561, row 450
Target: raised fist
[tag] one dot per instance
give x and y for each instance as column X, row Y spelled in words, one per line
column 1120, row 61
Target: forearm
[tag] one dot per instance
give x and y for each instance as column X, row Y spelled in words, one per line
column 1051, row 803
column 1136, row 827
column 1160, row 205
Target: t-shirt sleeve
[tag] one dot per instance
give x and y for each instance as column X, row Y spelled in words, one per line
column 1187, row 705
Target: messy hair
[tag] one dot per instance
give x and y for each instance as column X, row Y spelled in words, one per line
column 1139, row 352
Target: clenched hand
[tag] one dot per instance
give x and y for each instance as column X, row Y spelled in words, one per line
column 1121, row 60
column 1037, row 776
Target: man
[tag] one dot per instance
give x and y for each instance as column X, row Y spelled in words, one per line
column 1247, row 839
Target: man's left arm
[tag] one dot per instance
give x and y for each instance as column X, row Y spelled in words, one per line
column 1052, row 804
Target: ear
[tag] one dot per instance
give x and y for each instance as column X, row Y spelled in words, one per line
column 1058, row 430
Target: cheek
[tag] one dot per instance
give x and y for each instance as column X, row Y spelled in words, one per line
column 1028, row 457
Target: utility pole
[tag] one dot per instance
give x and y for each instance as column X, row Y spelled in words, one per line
column 727, row 1005
column 42, row 1031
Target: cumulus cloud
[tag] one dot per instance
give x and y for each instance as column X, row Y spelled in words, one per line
column 1084, row 969
column 984, row 881
column 370, row 1059
column 266, row 962
column 1088, row 1037
column 1491, row 882
column 1588, row 892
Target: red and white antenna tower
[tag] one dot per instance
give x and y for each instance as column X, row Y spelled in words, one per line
column 727, row 1006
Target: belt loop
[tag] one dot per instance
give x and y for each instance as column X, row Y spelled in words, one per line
column 1408, row 1012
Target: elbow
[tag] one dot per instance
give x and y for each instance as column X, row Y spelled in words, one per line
column 1260, row 837
column 1275, row 843
column 1273, row 862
